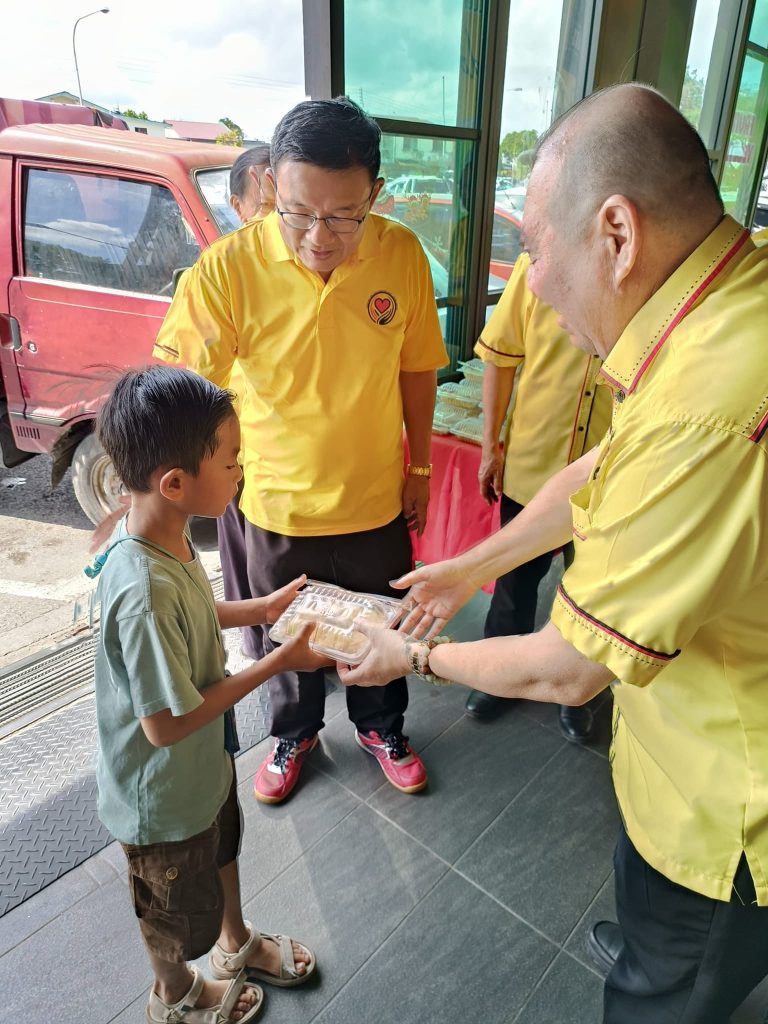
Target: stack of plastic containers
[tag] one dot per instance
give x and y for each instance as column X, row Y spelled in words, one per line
column 458, row 409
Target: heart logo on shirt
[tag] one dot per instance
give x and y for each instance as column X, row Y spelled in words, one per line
column 382, row 308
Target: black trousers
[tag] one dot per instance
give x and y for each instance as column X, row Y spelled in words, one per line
column 687, row 959
column 230, row 529
column 364, row 561
column 512, row 610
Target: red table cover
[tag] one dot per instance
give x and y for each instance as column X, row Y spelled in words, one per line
column 458, row 516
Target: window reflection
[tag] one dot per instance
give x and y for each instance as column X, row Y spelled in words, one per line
column 414, row 61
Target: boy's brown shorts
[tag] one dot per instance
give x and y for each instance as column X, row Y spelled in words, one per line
column 176, row 887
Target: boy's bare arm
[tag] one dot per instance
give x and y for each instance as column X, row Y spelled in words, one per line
column 258, row 611
column 163, row 729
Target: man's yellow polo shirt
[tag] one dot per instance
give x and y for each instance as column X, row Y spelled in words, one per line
column 559, row 411
column 323, row 417
column 669, row 587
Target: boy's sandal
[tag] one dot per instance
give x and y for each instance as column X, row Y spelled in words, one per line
column 226, row 965
column 185, row 1011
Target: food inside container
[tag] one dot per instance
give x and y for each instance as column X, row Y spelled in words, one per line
column 473, row 369
column 445, row 416
column 459, row 393
column 473, row 386
column 333, row 611
column 469, row 429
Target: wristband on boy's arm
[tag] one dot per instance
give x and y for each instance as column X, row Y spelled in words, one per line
column 418, row 651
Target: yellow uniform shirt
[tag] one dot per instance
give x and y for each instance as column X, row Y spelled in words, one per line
column 559, row 412
column 669, row 587
column 323, row 418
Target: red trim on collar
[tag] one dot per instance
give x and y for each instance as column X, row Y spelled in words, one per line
column 760, row 430
column 684, row 309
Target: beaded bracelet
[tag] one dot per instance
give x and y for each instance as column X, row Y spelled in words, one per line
column 420, row 665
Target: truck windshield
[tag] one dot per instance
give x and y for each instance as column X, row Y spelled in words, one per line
column 214, row 186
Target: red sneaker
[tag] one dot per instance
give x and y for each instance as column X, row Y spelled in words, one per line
column 279, row 773
column 401, row 765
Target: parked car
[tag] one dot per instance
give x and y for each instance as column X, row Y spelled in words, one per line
column 433, row 220
column 97, row 225
column 419, row 185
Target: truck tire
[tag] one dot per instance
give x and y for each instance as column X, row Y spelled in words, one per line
column 96, row 484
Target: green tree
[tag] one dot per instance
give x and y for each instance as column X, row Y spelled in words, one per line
column 513, row 144
column 692, row 96
column 233, row 137
column 230, row 138
column 141, row 115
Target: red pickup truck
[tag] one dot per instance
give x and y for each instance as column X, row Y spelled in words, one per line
column 96, row 223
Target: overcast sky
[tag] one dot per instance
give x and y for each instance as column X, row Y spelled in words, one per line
column 244, row 60
column 175, row 59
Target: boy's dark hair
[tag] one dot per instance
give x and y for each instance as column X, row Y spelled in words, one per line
column 334, row 134
column 161, row 416
column 256, row 156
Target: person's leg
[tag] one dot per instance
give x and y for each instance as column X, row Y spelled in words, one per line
column 297, row 698
column 178, row 899
column 230, row 529
column 366, row 562
column 235, row 933
column 686, row 958
column 512, row 611
column 173, row 981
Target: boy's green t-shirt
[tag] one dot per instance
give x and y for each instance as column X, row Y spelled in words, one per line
column 160, row 645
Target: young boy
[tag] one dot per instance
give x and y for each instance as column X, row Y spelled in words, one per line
column 166, row 784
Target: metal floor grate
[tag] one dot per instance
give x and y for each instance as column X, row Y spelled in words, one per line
column 44, row 683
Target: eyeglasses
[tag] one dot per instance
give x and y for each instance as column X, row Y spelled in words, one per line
column 306, row 221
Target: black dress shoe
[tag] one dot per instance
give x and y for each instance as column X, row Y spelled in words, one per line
column 483, row 705
column 577, row 724
column 604, row 943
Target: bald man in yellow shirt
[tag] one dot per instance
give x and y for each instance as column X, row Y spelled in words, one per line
column 666, row 600
column 329, row 311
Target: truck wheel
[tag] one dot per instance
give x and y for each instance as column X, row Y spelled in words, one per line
column 97, row 486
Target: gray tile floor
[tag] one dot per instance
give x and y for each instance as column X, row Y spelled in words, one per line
column 467, row 903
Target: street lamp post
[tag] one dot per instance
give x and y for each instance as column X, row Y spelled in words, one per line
column 101, row 10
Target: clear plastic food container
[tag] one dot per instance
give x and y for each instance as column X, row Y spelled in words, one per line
column 459, row 393
column 334, row 610
column 469, row 429
column 445, row 416
column 473, row 369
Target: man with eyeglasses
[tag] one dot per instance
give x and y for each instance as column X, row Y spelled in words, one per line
column 329, row 310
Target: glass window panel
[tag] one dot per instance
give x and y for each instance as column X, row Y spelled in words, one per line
column 543, row 78
column 423, row 190
column 104, row 231
column 740, row 167
column 758, row 33
column 414, row 61
column 707, row 65
column 214, row 186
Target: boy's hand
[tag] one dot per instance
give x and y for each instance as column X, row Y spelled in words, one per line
column 278, row 601
column 296, row 655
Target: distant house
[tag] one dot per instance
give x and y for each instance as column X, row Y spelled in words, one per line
column 135, row 124
column 194, row 131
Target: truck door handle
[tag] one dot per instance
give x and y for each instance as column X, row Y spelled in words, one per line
column 31, row 347
column 13, row 323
